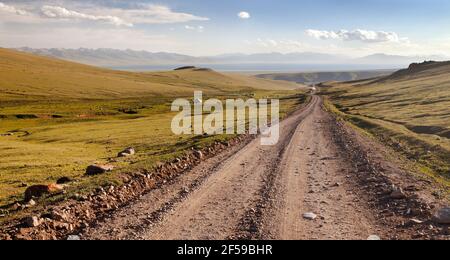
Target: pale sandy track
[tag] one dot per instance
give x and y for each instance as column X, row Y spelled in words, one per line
column 312, row 178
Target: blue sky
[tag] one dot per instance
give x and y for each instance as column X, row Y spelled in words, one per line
column 208, row 27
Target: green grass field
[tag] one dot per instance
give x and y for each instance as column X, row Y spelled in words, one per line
column 408, row 110
column 65, row 116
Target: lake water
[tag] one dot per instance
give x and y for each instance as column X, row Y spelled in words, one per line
column 264, row 68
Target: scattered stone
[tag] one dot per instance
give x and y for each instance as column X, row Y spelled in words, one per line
column 185, row 190
column 413, row 222
column 38, row 191
column 309, row 216
column 96, row 169
column 127, row 152
column 337, row 184
column 73, row 238
column 373, row 238
column 32, row 221
column 442, row 216
column 445, row 231
column 59, row 216
column 31, row 203
column 198, row 154
column 16, row 206
column 412, row 188
column 63, row 180
column 398, row 194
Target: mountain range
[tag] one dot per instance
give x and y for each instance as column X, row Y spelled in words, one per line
column 113, row 58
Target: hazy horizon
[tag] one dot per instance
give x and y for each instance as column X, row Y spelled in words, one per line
column 249, row 63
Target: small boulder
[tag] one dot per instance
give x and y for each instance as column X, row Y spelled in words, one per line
column 63, row 180
column 96, row 169
column 442, row 216
column 37, row 191
column 127, row 152
column 32, row 221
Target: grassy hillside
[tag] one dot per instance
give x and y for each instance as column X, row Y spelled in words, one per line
column 30, row 77
column 317, row 77
column 408, row 109
column 57, row 117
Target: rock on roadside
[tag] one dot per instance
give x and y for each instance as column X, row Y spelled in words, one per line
column 397, row 194
column 32, row 221
column 198, row 155
column 37, row 191
column 442, row 216
column 96, row 169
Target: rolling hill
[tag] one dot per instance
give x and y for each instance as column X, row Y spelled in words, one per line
column 30, row 77
column 415, row 97
column 408, row 109
column 317, row 77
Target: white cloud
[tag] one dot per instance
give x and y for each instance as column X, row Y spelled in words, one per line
column 322, row 35
column 145, row 14
column 244, row 15
column 156, row 14
column 357, row 35
column 195, row 28
column 12, row 9
column 58, row 12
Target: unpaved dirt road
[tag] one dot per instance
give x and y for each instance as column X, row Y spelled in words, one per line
column 258, row 192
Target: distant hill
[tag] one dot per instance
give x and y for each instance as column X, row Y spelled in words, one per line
column 419, row 70
column 27, row 76
column 115, row 58
column 317, row 77
column 139, row 60
column 381, row 58
column 118, row 58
